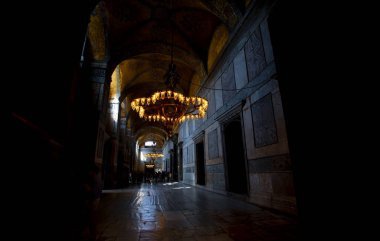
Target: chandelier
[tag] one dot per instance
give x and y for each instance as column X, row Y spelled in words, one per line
column 167, row 105
column 153, row 155
column 170, row 107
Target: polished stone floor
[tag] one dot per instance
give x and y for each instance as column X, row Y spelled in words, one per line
column 174, row 211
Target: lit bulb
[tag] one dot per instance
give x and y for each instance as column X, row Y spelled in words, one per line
column 154, row 98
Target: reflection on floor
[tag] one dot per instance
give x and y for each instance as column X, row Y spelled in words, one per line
column 174, row 211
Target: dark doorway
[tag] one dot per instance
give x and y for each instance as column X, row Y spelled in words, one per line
column 172, row 168
column 201, row 180
column 180, row 162
column 236, row 169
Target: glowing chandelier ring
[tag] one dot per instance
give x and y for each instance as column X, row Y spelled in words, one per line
column 170, row 107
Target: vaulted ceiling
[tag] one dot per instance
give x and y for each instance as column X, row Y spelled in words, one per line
column 138, row 38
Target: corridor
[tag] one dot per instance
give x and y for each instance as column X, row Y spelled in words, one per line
column 175, row 211
column 195, row 91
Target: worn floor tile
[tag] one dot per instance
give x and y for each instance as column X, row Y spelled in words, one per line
column 173, row 213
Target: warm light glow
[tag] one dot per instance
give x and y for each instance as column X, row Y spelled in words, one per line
column 153, row 155
column 170, row 107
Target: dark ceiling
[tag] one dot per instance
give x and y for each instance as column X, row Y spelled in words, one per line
column 137, row 39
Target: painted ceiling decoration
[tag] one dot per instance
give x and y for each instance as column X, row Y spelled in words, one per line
column 133, row 37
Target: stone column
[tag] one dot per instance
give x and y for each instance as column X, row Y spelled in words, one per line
column 131, row 149
column 100, row 92
column 113, row 121
column 122, row 165
column 180, row 161
column 174, row 164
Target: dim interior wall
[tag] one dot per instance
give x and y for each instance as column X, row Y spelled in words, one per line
column 270, row 168
column 214, row 163
column 165, row 162
column 247, row 66
column 188, row 163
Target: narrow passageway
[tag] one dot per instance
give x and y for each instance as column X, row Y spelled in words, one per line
column 175, row 211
